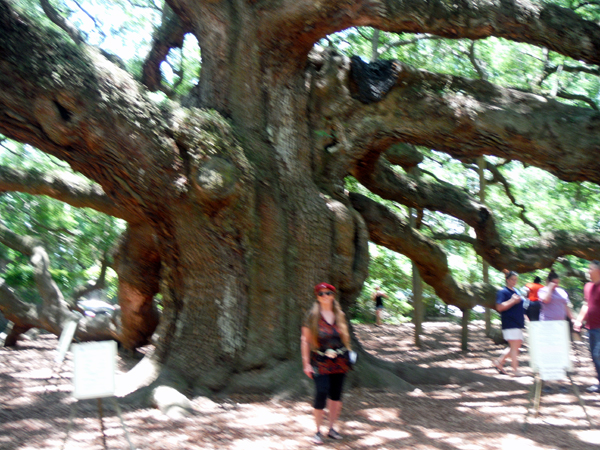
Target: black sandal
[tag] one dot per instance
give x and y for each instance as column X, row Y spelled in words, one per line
column 498, row 368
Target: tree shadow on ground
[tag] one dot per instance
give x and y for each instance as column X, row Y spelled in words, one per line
column 488, row 414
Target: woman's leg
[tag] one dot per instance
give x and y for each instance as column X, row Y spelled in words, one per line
column 318, row 413
column 378, row 315
column 502, row 359
column 335, row 397
column 322, row 385
column 335, row 407
column 515, row 345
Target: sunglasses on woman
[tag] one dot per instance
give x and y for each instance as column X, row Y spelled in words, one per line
column 321, row 294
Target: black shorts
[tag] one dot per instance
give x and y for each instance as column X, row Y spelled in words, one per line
column 533, row 311
column 328, row 386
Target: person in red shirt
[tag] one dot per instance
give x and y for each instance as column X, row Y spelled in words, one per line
column 533, row 310
column 590, row 315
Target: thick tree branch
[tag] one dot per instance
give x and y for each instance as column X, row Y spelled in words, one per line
column 448, row 199
column 168, row 35
column 462, row 117
column 442, row 197
column 89, row 113
column 54, row 312
column 389, row 230
column 73, row 191
column 63, row 23
column 537, row 23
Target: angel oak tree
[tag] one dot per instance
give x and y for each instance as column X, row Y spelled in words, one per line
column 234, row 196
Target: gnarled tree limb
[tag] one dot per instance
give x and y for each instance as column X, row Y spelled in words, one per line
column 389, row 230
column 75, row 192
column 448, row 199
column 542, row 24
column 53, row 313
column 464, row 118
column 65, row 114
column 168, row 35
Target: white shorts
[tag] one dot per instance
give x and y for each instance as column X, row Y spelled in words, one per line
column 512, row 334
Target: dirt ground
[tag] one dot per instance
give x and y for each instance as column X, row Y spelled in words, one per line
column 36, row 401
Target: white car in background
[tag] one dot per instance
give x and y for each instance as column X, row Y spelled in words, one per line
column 93, row 308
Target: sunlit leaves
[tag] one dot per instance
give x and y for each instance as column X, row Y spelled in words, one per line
column 76, row 239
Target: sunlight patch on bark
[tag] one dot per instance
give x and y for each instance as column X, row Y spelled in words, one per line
column 229, row 328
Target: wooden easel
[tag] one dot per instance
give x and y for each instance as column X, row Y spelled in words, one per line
column 94, row 370
column 536, row 395
column 550, row 346
column 100, row 417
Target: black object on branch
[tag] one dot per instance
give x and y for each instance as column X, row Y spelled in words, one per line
column 371, row 81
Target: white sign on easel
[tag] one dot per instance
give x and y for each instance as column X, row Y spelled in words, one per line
column 550, row 348
column 95, row 366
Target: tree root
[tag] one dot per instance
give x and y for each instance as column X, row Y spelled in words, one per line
column 149, row 382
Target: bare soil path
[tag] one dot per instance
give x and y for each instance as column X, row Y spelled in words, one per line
column 35, row 405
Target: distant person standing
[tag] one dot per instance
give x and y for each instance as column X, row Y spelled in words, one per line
column 554, row 300
column 510, row 306
column 378, row 296
column 533, row 311
column 590, row 315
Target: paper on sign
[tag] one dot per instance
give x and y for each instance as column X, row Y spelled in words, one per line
column 95, row 366
column 549, row 348
column 66, row 337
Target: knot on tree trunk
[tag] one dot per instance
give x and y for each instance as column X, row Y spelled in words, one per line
column 217, row 167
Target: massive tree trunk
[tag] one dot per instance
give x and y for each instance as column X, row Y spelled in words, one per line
column 234, row 227
column 236, row 202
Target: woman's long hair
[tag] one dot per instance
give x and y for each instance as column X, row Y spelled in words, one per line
column 340, row 320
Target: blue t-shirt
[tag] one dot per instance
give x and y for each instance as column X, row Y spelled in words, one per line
column 513, row 317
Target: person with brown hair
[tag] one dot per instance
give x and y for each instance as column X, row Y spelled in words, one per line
column 510, row 306
column 325, row 347
column 555, row 300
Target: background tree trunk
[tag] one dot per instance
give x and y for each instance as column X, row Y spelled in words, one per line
column 485, row 267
